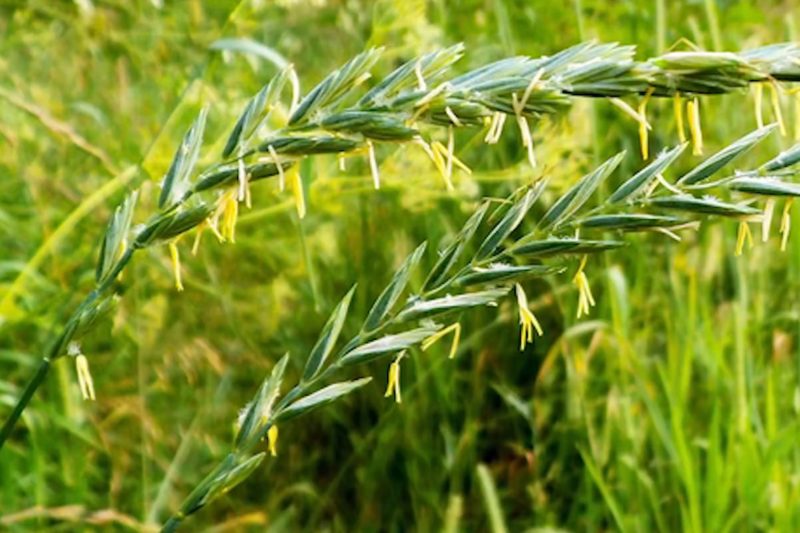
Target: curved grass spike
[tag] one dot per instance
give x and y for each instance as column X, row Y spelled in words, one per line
column 481, row 281
column 632, row 187
column 521, row 87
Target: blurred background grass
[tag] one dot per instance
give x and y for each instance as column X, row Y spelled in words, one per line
column 675, row 406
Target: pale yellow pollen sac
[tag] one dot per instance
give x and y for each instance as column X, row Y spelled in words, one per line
column 585, row 298
column 455, row 328
column 242, row 180
column 677, row 107
column 758, row 96
column 373, row 166
column 452, row 116
column 272, row 440
column 776, row 106
column 421, row 85
column 744, row 234
column 527, row 319
column 766, row 221
column 495, row 130
column 450, row 155
column 176, row 264
column 229, row 210
column 797, row 116
column 393, row 382
column 786, row 223
column 85, row 381
column 277, row 163
column 299, row 194
column 527, row 139
column 696, row 131
column 644, row 141
column 434, row 157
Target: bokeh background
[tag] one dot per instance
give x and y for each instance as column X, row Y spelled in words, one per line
column 674, row 406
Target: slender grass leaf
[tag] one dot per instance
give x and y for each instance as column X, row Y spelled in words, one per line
column 176, row 180
column 509, row 222
column 706, row 206
column 579, row 193
column 250, row 46
column 725, row 156
column 641, row 179
column 392, row 292
column 116, row 234
column 302, row 146
column 166, row 226
column 501, row 272
column 430, row 66
column 371, row 124
column 764, row 186
column 491, row 500
column 452, row 253
column 551, row 247
column 426, row 308
column 259, row 410
column 630, row 222
column 256, row 112
column 387, row 344
column 328, row 337
column 783, row 160
column 335, row 85
column 230, row 174
column 322, row 397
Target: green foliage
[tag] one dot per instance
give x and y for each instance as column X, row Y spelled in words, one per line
column 671, row 408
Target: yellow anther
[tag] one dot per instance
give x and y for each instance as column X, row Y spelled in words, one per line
column 276, row 161
column 421, row 85
column 198, row 236
column 758, row 96
column 495, row 128
column 766, row 220
column 242, row 180
column 176, row 264
column 776, row 107
column 797, row 116
column 393, row 382
column 744, row 235
column 527, row 139
column 527, row 319
column 297, row 192
column 643, row 139
column 696, row 131
column 677, row 107
column 230, row 213
column 272, row 440
column 452, row 116
column 585, row 298
column 85, row 381
column 373, row 166
column 455, row 328
column 786, row 223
